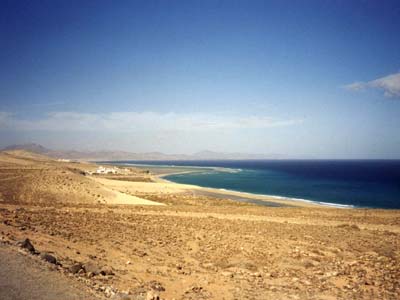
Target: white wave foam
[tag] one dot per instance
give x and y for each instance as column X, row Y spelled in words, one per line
column 337, row 205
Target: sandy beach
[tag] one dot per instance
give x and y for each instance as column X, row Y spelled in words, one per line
column 167, row 185
column 135, row 235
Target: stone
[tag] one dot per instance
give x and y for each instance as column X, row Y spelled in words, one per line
column 90, row 274
column 306, row 282
column 92, row 268
column 197, row 292
column 107, row 271
column 227, row 274
column 26, row 244
column 156, row 286
column 256, row 274
column 75, row 268
column 121, row 296
column 49, row 258
column 152, row 295
column 273, row 275
column 109, row 292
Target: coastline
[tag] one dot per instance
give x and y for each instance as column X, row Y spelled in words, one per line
column 158, row 175
column 240, row 196
column 225, row 193
column 338, row 184
column 283, row 201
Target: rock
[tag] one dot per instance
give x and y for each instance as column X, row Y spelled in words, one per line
column 121, row 296
column 227, row 274
column 107, row 271
column 26, row 244
column 156, row 286
column 256, row 274
column 109, row 292
column 307, row 282
column 90, row 274
column 273, row 274
column 81, row 271
column 208, row 265
column 49, row 258
column 92, row 268
column 353, row 263
column 197, row 292
column 331, row 274
column 152, row 295
column 75, row 268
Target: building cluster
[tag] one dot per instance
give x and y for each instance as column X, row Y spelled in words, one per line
column 108, row 170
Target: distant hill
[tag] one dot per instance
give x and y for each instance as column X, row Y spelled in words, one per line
column 123, row 155
column 36, row 148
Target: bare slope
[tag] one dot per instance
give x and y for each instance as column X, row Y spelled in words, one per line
column 27, row 177
column 24, row 278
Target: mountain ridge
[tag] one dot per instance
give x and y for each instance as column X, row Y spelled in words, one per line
column 126, row 155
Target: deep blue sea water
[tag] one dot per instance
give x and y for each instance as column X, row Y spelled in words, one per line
column 359, row 183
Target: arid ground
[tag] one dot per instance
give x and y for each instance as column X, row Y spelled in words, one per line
column 134, row 236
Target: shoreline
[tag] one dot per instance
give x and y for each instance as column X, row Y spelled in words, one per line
column 285, row 201
column 280, row 200
column 242, row 196
column 239, row 196
column 223, row 193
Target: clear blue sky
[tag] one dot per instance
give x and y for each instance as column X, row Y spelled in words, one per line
column 305, row 79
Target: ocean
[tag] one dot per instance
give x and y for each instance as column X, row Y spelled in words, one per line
column 343, row 183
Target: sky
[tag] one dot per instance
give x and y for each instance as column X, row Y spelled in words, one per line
column 302, row 79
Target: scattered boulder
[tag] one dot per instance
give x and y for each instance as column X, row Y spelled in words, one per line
column 197, row 292
column 91, row 267
column 107, row 271
column 152, row 295
column 26, row 244
column 49, row 258
column 155, row 286
column 122, row 296
column 75, row 268
column 109, row 291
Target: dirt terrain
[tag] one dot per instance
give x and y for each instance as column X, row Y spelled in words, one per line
column 193, row 246
column 24, row 278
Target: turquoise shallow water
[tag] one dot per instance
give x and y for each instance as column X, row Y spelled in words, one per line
column 368, row 183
